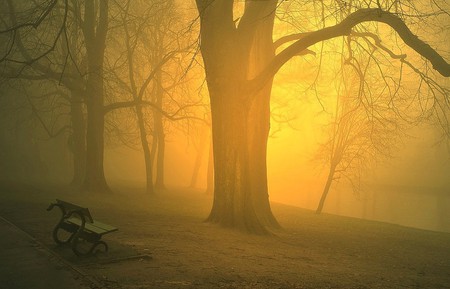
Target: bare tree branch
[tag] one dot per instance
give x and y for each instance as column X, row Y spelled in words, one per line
column 345, row 28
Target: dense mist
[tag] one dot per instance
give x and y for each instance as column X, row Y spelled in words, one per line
column 224, row 144
column 101, row 96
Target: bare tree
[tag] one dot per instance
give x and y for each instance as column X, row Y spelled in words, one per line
column 92, row 19
column 50, row 65
column 355, row 141
column 151, row 75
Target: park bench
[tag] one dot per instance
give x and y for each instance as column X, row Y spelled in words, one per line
column 82, row 228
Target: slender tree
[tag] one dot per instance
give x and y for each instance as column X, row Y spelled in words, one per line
column 355, row 142
column 152, row 49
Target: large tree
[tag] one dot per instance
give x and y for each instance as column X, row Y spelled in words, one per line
column 240, row 64
column 46, row 29
column 95, row 29
column 46, row 61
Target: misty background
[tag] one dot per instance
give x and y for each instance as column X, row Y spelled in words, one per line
column 410, row 186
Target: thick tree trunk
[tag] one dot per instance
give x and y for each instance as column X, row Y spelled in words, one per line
column 326, row 189
column 95, row 178
column 240, row 134
column 95, row 29
column 240, row 118
column 210, row 172
column 78, row 140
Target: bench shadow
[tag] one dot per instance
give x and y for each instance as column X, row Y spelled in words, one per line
column 117, row 253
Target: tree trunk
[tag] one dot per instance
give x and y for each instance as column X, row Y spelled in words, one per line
column 148, row 157
column 95, row 29
column 147, row 154
column 78, row 140
column 240, row 118
column 240, row 134
column 199, row 158
column 160, row 136
column 160, row 154
column 326, row 189
column 95, row 178
column 210, row 172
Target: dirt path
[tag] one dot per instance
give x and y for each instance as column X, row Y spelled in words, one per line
column 25, row 263
column 311, row 252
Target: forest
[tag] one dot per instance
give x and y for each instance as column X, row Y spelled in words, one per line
column 235, row 143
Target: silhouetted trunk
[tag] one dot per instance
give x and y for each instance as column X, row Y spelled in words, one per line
column 210, row 172
column 145, row 148
column 160, row 154
column 78, row 140
column 137, row 97
column 95, row 29
column 240, row 134
column 326, row 189
column 198, row 159
column 160, row 136
column 153, row 150
column 95, row 177
column 240, row 118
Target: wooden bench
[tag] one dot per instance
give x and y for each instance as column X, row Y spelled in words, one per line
column 79, row 223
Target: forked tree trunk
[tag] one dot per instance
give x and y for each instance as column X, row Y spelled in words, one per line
column 240, row 119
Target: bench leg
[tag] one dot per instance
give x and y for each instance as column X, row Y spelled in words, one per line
column 97, row 247
column 92, row 250
column 62, row 226
column 58, row 240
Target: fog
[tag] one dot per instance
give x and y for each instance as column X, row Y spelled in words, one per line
column 150, row 111
column 411, row 189
column 224, row 144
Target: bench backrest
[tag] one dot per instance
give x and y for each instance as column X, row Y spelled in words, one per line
column 72, row 207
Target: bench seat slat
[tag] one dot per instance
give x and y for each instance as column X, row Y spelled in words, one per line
column 95, row 227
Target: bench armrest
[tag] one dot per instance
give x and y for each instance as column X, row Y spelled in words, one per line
column 67, row 214
column 51, row 206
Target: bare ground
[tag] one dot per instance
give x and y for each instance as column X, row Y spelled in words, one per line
column 310, row 252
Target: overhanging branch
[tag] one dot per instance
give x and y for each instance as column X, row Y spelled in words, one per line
column 344, row 28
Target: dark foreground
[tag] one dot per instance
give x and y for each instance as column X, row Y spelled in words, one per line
column 163, row 243
column 25, row 263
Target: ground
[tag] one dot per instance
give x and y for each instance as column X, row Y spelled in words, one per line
column 311, row 251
